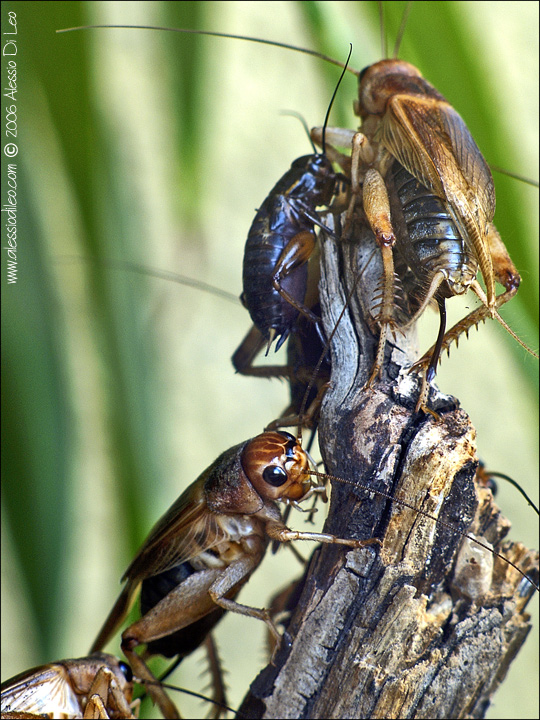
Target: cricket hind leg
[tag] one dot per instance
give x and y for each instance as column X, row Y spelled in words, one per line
column 507, row 275
column 216, row 683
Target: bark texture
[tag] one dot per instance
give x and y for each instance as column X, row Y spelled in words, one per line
column 427, row 624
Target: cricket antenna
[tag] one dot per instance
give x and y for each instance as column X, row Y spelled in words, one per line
column 323, row 144
column 189, row 31
column 401, row 31
column 298, row 116
column 442, row 523
column 384, row 45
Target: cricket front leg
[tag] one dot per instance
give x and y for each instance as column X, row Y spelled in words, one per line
column 105, row 693
column 281, row 533
column 377, row 211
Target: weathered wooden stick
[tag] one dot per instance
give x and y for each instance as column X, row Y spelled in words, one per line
column 408, row 630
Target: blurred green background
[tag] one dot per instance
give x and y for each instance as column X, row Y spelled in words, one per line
column 117, row 389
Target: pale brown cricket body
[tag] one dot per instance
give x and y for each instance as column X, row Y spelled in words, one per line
column 216, row 535
column 407, row 124
column 427, row 193
column 98, row 686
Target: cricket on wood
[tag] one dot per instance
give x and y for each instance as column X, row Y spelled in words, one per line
column 373, row 182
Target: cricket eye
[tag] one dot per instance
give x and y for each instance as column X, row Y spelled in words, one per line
column 291, row 445
column 287, row 435
column 126, row 671
column 275, row 475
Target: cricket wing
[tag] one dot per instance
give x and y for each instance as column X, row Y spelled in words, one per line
column 44, row 690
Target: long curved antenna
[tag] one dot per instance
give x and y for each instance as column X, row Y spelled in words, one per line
column 514, row 335
column 514, row 176
column 293, row 113
column 185, row 691
column 516, row 485
column 448, row 526
column 286, row 46
column 153, row 272
column 323, row 144
column 275, row 43
column 401, row 31
column 384, row 44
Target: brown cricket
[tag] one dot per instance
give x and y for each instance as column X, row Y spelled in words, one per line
column 214, row 536
column 427, row 193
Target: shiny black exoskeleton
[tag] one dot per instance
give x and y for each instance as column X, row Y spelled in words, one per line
column 430, row 243
column 280, row 241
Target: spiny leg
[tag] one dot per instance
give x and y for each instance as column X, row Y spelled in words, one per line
column 473, row 319
column 505, row 272
column 219, row 694
column 377, row 210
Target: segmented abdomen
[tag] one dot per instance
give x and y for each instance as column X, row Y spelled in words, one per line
column 274, row 226
column 434, row 243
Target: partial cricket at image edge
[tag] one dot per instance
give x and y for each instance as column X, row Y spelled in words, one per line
column 74, row 687
column 97, row 683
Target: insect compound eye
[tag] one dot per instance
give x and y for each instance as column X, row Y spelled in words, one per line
column 275, row 465
column 287, row 435
column 362, row 73
column 126, row 671
column 275, row 475
column 292, row 442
